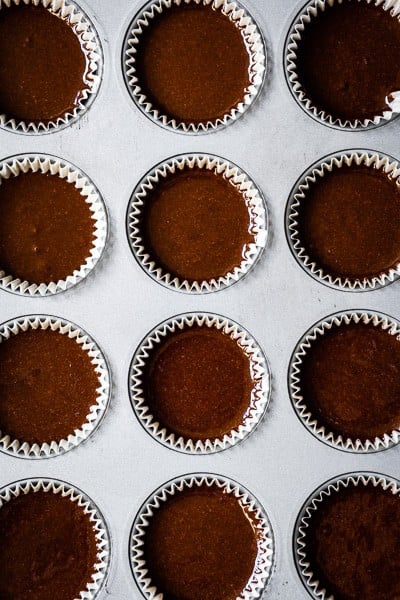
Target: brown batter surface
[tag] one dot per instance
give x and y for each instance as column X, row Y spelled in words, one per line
column 47, row 385
column 201, row 545
column 350, row 379
column 41, row 64
column 46, row 227
column 198, row 383
column 196, row 225
column 353, row 544
column 47, row 548
column 192, row 63
column 348, row 59
column 349, row 222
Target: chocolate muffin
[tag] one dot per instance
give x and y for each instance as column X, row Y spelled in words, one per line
column 48, row 547
column 42, row 64
column 357, row 83
column 352, row 543
column 348, row 223
column 196, row 225
column 192, row 63
column 46, row 229
column 349, row 380
column 201, row 544
column 197, row 383
column 47, row 386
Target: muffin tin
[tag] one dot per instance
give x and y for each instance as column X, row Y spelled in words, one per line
column 275, row 141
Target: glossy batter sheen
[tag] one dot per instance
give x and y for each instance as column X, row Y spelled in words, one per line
column 350, row 379
column 47, row 385
column 196, row 225
column 348, row 59
column 46, row 227
column 41, row 64
column 47, row 548
column 349, row 222
column 201, row 545
column 192, row 63
column 198, row 383
column 353, row 544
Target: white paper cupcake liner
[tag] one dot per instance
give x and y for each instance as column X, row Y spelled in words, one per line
column 310, row 11
column 66, row 490
column 345, row 158
column 252, row 196
column 97, row 411
column 254, row 44
column 389, row 324
column 47, row 164
column 260, row 373
column 68, row 11
column 304, row 568
column 266, row 546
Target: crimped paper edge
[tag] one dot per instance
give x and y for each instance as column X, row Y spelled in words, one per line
column 312, row 504
column 88, row 37
column 231, row 172
column 381, row 320
column 257, row 63
column 265, row 559
column 97, row 411
column 49, row 164
column 260, row 394
column 309, row 11
column 13, row 490
column 369, row 158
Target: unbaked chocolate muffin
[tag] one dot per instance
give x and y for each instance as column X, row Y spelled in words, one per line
column 352, row 543
column 347, row 59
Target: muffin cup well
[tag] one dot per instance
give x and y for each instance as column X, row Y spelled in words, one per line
column 87, row 35
column 304, row 568
column 254, row 44
column 389, row 324
column 310, row 11
column 345, row 158
column 47, row 164
column 97, row 411
column 66, row 490
column 266, row 546
column 258, row 403
column 252, row 196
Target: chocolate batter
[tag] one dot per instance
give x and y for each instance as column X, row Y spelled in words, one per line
column 349, row 222
column 192, row 63
column 47, row 548
column 201, row 545
column 46, row 227
column 42, row 65
column 47, row 385
column 196, row 225
column 350, row 379
column 353, row 544
column 348, row 59
column 198, row 383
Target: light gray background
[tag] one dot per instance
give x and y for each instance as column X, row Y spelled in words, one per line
column 274, row 142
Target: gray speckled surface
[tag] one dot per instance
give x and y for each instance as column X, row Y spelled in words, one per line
column 118, row 304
